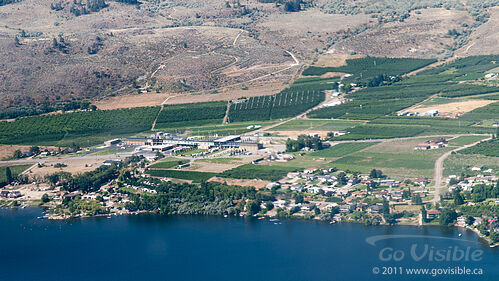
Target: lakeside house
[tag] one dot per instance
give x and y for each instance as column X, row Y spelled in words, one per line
column 432, row 214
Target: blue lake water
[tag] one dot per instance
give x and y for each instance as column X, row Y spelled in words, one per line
column 148, row 247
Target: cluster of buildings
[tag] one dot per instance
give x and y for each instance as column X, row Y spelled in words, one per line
column 10, row 194
column 468, row 183
column 330, row 183
column 168, row 143
column 432, row 144
column 429, row 113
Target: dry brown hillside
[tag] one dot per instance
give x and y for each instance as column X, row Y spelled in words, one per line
column 48, row 54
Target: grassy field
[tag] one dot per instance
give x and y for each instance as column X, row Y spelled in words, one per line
column 263, row 172
column 458, row 163
column 220, row 160
column 342, row 149
column 397, row 159
column 168, row 164
column 464, row 140
column 15, row 170
column 192, row 151
column 488, row 148
column 317, row 125
column 185, row 175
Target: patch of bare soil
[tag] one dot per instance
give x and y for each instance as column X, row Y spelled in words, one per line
column 257, row 184
column 133, row 100
column 74, row 167
column 452, row 109
column 228, row 94
column 331, row 59
column 8, row 150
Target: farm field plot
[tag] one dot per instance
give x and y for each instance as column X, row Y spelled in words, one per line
column 342, row 149
column 173, row 116
column 317, row 125
column 166, row 164
column 489, row 112
column 487, row 148
column 382, row 131
column 84, row 128
column 452, row 108
column 15, row 170
column 464, row 140
column 459, row 163
column 263, row 172
column 185, row 175
column 364, row 69
column 283, row 105
column 390, row 96
column 220, row 129
column 395, row 158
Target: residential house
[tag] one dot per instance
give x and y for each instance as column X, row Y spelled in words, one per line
column 432, row 214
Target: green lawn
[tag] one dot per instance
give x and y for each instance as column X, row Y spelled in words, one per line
column 15, row 170
column 342, row 149
column 192, row 151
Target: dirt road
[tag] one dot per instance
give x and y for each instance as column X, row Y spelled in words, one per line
column 439, row 168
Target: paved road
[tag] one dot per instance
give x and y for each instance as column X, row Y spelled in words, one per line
column 439, row 168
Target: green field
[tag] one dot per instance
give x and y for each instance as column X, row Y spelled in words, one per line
column 342, row 149
column 15, row 170
column 193, row 114
column 317, row 125
column 461, row 78
column 488, row 148
column 220, row 160
column 459, row 163
column 83, row 128
column 168, row 164
column 186, row 175
column 381, row 131
column 464, row 140
column 250, row 171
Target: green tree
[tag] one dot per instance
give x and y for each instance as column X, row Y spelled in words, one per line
column 447, row 216
column 18, row 154
column 298, row 199
column 494, row 236
column 8, row 175
column 45, row 198
column 458, row 198
column 252, row 207
column 423, row 213
column 269, row 206
column 416, row 199
column 386, row 207
column 34, row 149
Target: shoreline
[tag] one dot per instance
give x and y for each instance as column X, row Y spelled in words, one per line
column 270, row 218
